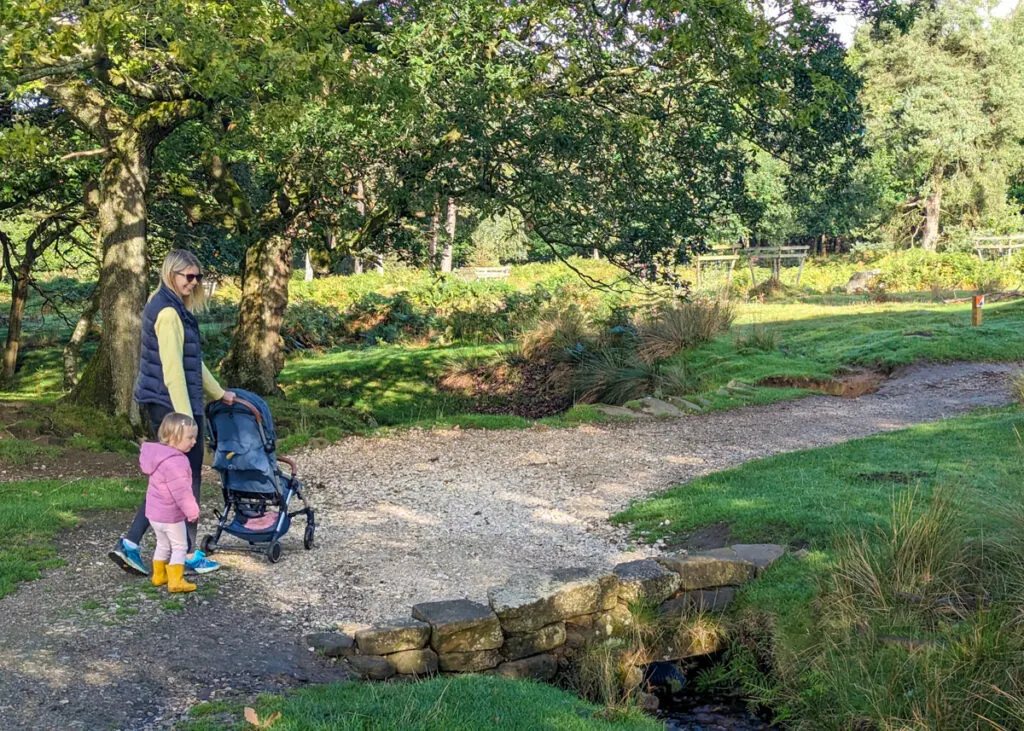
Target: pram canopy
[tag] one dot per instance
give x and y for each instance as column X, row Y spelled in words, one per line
column 244, row 444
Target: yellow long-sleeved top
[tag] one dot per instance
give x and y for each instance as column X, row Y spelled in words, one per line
column 170, row 337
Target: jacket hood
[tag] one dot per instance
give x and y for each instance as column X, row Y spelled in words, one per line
column 153, row 454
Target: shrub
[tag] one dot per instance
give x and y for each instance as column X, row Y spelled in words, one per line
column 682, row 327
column 563, row 332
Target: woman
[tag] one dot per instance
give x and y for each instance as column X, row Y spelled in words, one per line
column 172, row 377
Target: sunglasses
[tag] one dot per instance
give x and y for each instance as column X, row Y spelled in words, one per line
column 191, row 277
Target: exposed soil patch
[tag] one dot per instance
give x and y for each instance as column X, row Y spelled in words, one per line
column 853, row 384
column 715, row 535
column 73, row 464
column 520, row 387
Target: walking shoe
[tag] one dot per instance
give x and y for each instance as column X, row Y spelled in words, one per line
column 200, row 564
column 128, row 559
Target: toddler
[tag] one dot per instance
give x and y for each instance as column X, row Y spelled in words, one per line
column 169, row 499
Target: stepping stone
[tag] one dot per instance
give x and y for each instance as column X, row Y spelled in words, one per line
column 460, row 626
column 645, row 579
column 372, row 667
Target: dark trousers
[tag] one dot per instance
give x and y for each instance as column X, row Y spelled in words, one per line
column 140, row 525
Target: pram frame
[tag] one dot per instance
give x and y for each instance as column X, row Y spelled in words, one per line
column 271, row 545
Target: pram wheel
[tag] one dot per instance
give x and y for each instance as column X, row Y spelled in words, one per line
column 207, row 544
column 274, row 552
column 307, row 537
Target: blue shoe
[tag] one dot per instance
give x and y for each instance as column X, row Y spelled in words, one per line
column 200, row 564
column 128, row 559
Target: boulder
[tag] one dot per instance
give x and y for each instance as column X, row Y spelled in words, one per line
column 394, row 635
column 701, row 600
column 645, row 579
column 532, row 643
column 861, row 281
column 469, row 662
column 538, row 667
column 371, row 667
column 525, row 604
column 414, row 662
column 718, row 567
column 460, row 626
column 684, row 405
column 762, row 555
column 331, row 644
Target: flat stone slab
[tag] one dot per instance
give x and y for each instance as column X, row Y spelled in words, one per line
column 654, row 407
column 331, row 644
column 533, row 643
column 538, row 667
column 469, row 662
column 618, row 412
column 527, row 603
column 710, row 569
column 762, row 555
column 645, row 579
column 700, row 600
column 393, row 635
column 688, row 406
column 460, row 626
column 414, row 662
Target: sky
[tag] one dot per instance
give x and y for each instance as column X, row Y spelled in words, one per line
column 844, row 25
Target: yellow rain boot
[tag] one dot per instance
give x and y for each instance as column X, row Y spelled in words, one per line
column 175, row 579
column 159, row 573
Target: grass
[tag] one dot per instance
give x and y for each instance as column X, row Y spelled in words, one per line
column 33, row 512
column 23, row 451
column 457, row 703
column 873, row 628
column 805, row 497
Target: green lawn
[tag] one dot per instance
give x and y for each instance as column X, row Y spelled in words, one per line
column 33, row 512
column 461, row 703
column 820, row 623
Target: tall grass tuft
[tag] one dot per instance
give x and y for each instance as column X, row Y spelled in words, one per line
column 560, row 332
column 683, row 327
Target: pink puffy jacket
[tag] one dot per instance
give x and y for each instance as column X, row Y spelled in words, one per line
column 169, row 498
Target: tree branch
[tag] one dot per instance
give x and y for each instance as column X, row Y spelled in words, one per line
column 86, row 105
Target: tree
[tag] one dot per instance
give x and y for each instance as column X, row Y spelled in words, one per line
column 129, row 75
column 945, row 114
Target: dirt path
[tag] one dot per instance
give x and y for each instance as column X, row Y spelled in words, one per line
column 422, row 515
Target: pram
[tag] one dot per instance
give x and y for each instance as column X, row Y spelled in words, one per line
column 257, row 494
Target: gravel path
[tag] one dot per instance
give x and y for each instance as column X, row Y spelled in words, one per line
column 423, row 515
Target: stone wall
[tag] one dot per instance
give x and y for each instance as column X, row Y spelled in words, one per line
column 531, row 625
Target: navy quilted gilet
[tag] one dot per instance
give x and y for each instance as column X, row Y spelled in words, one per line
column 149, row 387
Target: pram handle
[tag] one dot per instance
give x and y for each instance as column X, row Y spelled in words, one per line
column 255, row 412
column 290, row 463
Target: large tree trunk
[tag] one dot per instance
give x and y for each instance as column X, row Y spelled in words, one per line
column 256, row 355
column 19, row 294
column 109, row 379
column 308, row 277
column 435, row 225
column 449, row 245
column 74, row 346
column 932, row 208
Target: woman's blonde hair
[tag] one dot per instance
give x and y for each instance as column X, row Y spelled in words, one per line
column 174, row 427
column 174, row 262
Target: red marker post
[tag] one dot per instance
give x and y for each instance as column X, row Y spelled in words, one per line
column 976, row 304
